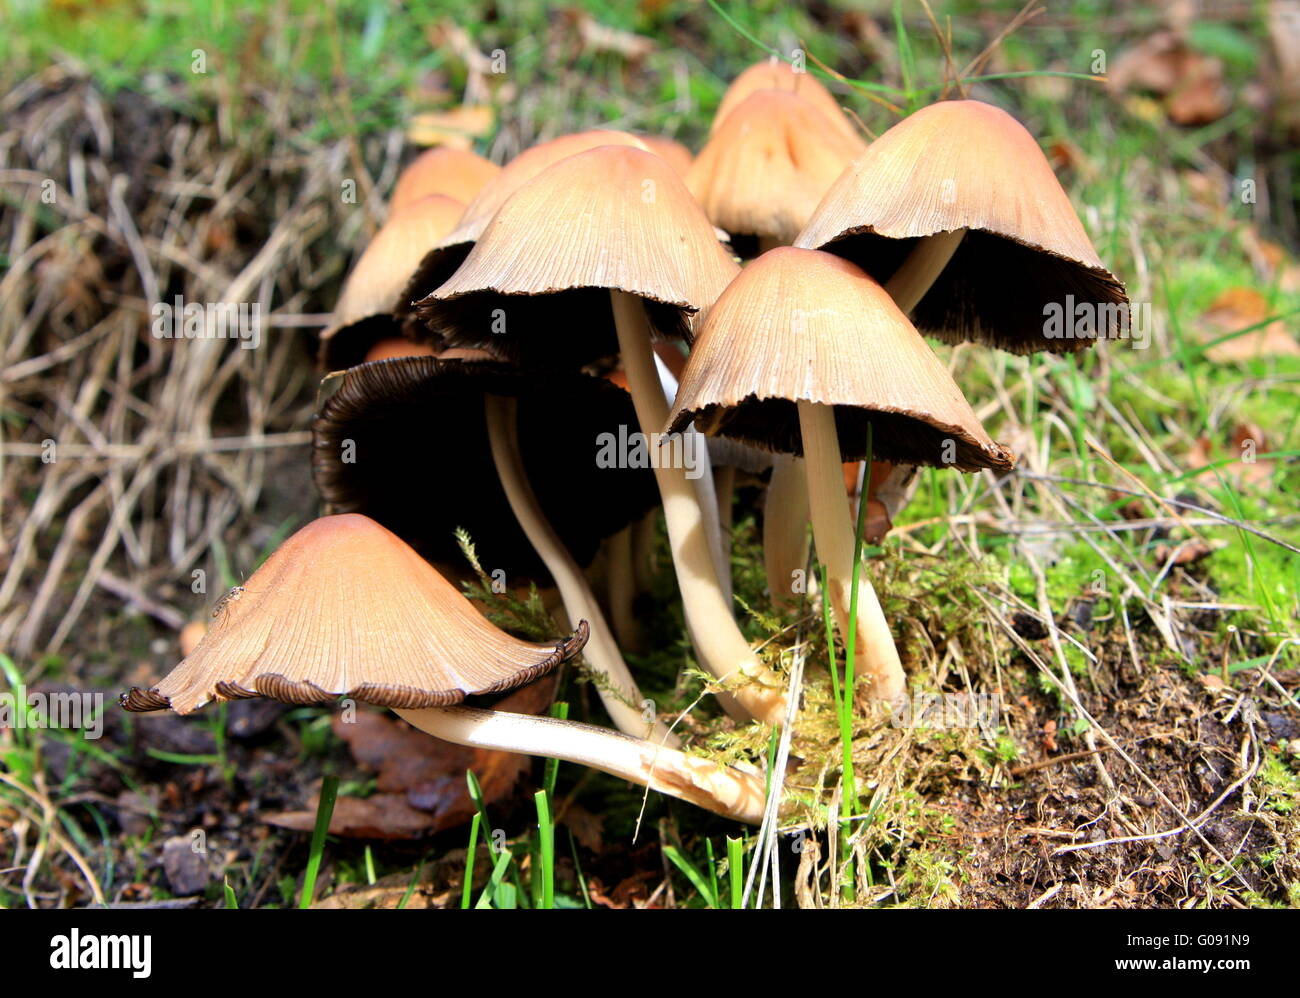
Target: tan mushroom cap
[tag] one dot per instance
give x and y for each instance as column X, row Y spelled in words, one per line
column 966, row 164
column 777, row 75
column 375, row 285
column 457, row 173
column 671, row 151
column 345, row 608
column 768, row 165
column 611, row 218
column 799, row 325
column 449, row 252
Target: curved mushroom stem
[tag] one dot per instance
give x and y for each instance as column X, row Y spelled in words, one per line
column 619, row 692
column 722, row 648
column 620, row 588
column 875, row 656
column 785, row 528
column 725, row 790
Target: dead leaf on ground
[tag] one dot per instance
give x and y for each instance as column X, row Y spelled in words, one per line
column 586, row 827
column 630, row 892
column 1246, row 444
column 1190, row 83
column 597, row 37
column 421, row 785
column 1239, row 308
column 457, row 128
column 1284, row 27
column 389, row 892
column 1182, row 554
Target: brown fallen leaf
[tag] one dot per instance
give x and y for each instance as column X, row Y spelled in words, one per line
column 1246, row 444
column 1284, row 28
column 379, row 816
column 390, row 892
column 456, row 128
column 1190, row 83
column 1239, row 308
column 597, row 37
column 421, row 780
column 586, row 827
column 1182, row 554
column 630, row 892
column 1270, row 260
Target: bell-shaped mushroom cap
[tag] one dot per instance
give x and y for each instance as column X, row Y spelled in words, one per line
column 405, row 442
column 456, row 173
column 967, row 164
column 777, row 75
column 364, row 312
column 537, row 282
column 799, row 325
column 344, row 608
column 768, row 165
column 671, row 151
column 449, row 252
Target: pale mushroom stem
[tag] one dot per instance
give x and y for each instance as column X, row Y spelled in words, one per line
column 618, row 691
column 907, row 286
column 922, row 268
column 728, row 791
column 722, row 648
column 620, row 588
column 706, row 494
column 644, row 532
column 724, row 485
column 785, row 528
column 875, row 657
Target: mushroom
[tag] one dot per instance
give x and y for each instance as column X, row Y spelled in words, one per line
column 345, row 609
column 772, row 155
column 773, row 74
column 362, row 430
column 767, row 165
column 614, row 230
column 443, row 256
column 947, row 203
column 804, row 353
column 457, row 173
column 670, row 151
column 940, row 209
column 365, row 310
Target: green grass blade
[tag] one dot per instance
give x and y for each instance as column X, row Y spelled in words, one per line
column 329, row 790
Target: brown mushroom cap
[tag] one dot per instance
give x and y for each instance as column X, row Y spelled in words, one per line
column 421, row 464
column 609, row 218
column 443, row 257
column 966, row 164
column 344, row 608
column 799, row 325
column 365, row 309
column 457, row 173
column 776, row 75
column 768, row 165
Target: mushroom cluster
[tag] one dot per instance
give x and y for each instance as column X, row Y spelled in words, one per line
column 506, row 360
